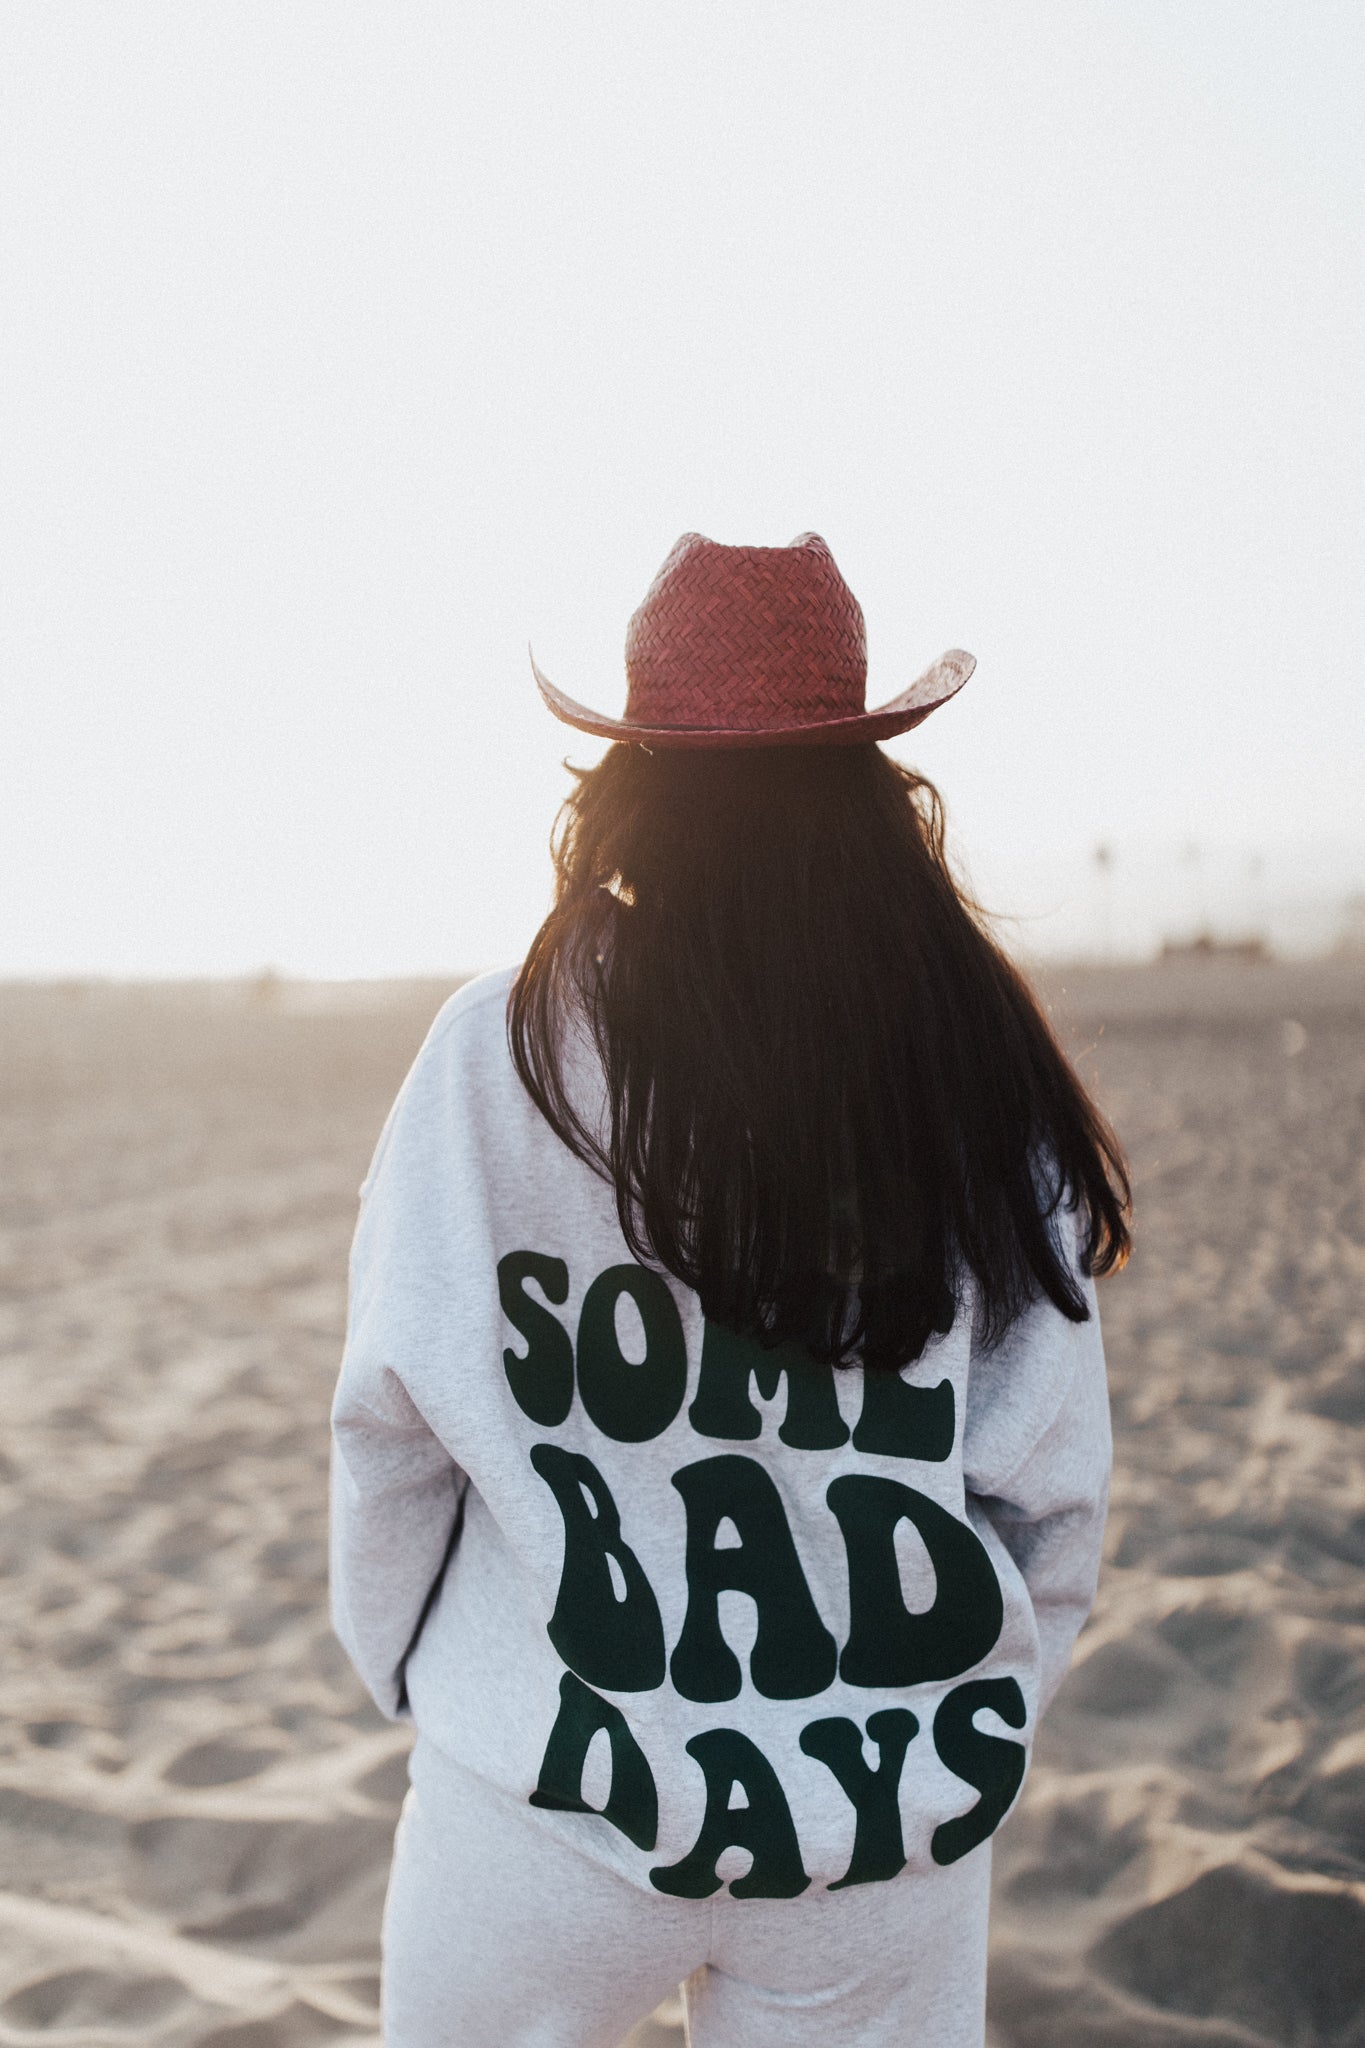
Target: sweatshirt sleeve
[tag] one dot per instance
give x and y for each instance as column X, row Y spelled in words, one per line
column 396, row 1491
column 1038, row 1455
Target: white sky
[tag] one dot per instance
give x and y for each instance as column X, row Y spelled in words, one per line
column 348, row 347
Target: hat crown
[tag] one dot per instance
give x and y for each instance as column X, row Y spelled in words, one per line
column 746, row 638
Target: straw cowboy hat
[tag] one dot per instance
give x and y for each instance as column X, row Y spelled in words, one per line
column 754, row 647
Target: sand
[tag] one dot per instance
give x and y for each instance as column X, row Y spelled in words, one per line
column 197, row 1801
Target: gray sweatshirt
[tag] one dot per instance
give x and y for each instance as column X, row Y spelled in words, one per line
column 744, row 1610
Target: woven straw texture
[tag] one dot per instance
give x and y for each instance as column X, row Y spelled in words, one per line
column 754, row 647
column 746, row 637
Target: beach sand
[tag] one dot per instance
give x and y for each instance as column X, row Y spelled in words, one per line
column 196, row 1800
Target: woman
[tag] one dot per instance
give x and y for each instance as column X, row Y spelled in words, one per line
column 721, row 1442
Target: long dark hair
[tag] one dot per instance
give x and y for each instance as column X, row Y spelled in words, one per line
column 830, row 1094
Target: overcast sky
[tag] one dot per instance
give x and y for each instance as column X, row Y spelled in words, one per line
column 350, row 347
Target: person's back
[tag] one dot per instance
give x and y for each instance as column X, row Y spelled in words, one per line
column 721, row 1440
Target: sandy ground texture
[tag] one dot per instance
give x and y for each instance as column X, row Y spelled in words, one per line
column 196, row 1800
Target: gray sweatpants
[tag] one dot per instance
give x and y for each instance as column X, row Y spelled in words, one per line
column 499, row 1934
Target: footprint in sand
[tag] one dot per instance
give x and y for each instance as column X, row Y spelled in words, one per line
column 70, row 2000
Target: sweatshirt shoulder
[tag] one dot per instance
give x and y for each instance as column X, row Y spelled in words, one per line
column 476, row 1012
column 465, row 1046
column 468, row 1035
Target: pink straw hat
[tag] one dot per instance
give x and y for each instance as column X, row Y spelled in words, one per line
column 754, row 647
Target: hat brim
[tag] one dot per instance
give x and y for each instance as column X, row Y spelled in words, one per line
column 900, row 714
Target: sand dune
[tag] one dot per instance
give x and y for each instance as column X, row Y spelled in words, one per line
column 197, row 1802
